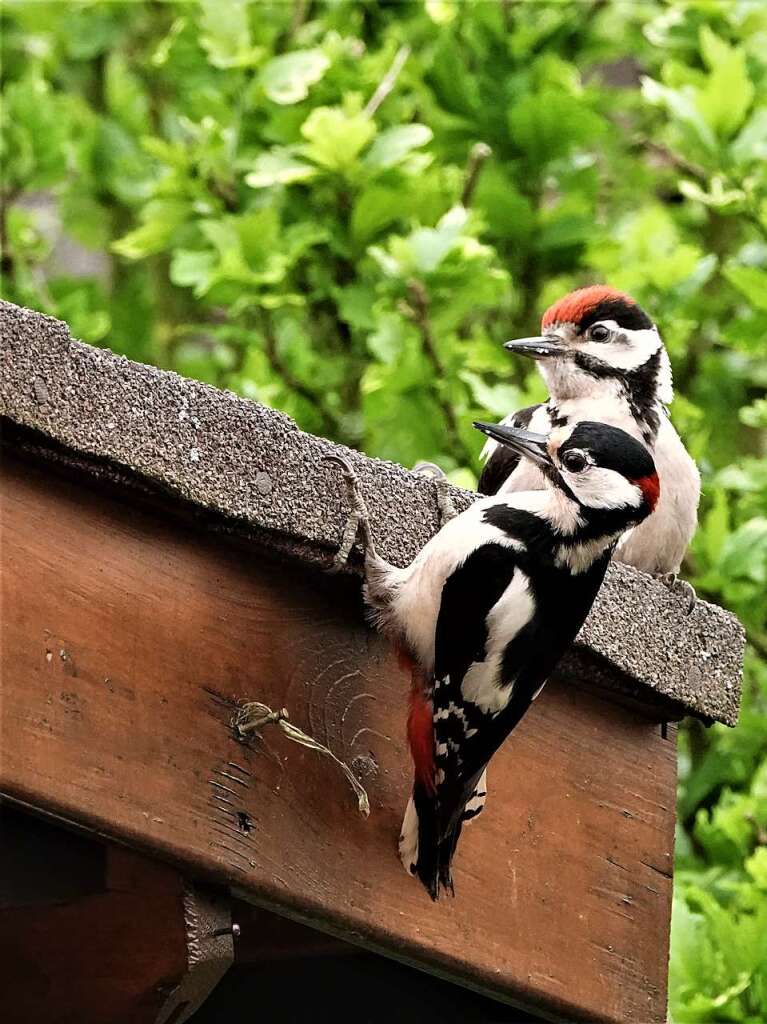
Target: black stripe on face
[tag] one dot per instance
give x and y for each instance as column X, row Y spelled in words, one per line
column 639, row 384
column 626, row 314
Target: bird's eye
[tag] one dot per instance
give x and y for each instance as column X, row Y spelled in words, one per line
column 574, row 460
column 599, row 333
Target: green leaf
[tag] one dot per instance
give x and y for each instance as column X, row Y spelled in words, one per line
column 376, row 208
column 755, row 415
column 497, row 399
column 392, row 146
column 278, row 167
column 751, row 144
column 430, row 246
column 192, row 268
column 161, row 219
column 751, row 281
column 756, row 866
column 547, row 125
column 681, row 105
column 287, row 79
column 125, row 95
column 716, row 527
column 745, row 552
column 226, row 34
column 728, row 93
column 335, row 138
column 36, row 133
column 442, row 12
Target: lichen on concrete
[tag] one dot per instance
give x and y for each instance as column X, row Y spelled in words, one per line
column 244, row 461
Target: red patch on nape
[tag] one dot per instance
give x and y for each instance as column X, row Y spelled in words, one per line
column 650, row 488
column 420, row 734
column 573, row 307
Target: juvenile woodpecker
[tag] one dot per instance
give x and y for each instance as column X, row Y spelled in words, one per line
column 486, row 610
column 603, row 359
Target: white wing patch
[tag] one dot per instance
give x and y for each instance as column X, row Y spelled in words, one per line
column 482, row 683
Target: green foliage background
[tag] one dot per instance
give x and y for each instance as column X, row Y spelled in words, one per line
column 229, row 190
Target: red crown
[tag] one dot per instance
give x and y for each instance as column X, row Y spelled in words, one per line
column 573, row 307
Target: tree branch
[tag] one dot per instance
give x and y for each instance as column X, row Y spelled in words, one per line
column 388, row 81
column 418, row 310
column 479, row 153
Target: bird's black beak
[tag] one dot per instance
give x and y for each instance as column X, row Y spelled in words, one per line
column 536, row 348
column 524, row 442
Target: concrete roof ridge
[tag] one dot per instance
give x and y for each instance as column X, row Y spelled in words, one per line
column 245, row 461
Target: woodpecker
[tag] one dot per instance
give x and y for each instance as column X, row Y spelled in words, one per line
column 486, row 610
column 603, row 359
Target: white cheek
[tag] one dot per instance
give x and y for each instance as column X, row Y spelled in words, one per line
column 625, row 355
column 603, row 488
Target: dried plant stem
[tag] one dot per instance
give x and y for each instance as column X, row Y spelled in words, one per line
column 388, row 81
column 254, row 716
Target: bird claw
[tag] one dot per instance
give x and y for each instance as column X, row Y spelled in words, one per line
column 358, row 517
column 680, row 587
column 430, row 469
column 447, row 509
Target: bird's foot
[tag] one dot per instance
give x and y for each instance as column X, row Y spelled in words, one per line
column 447, row 509
column 679, row 587
column 430, row 469
column 358, row 517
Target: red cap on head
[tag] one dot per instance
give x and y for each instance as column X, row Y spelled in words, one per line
column 573, row 307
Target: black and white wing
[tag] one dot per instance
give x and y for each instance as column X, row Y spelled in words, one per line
column 500, row 461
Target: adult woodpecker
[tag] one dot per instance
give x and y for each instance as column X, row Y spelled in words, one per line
column 486, row 610
column 603, row 359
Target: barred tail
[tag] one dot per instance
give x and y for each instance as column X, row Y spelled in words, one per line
column 476, row 803
column 422, row 852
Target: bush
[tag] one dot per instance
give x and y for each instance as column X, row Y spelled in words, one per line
column 343, row 209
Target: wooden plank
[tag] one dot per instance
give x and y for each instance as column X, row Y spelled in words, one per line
column 110, row 947
column 265, row 938
column 126, row 639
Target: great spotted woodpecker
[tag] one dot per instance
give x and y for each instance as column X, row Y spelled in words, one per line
column 486, row 610
column 603, row 359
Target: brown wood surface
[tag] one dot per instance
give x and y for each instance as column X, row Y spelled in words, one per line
column 127, row 637
column 110, row 952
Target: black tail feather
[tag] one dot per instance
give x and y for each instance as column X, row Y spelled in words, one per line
column 435, row 850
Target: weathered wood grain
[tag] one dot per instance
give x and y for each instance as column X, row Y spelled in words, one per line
column 126, row 641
